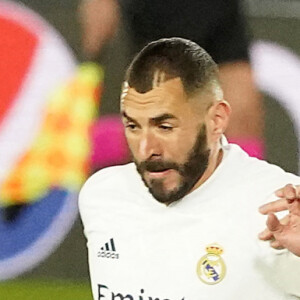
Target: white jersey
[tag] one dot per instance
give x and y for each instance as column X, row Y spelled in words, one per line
column 140, row 249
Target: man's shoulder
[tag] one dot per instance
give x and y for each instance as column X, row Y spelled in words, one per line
column 108, row 188
column 241, row 164
column 114, row 172
column 111, row 177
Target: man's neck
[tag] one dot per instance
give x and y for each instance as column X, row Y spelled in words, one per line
column 214, row 161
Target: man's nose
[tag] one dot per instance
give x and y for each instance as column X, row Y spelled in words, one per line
column 149, row 146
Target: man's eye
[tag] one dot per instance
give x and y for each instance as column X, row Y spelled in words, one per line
column 165, row 127
column 131, row 126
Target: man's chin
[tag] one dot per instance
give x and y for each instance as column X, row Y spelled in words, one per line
column 162, row 194
column 163, row 198
column 165, row 189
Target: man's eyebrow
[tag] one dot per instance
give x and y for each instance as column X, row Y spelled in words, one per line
column 162, row 118
column 155, row 120
column 124, row 115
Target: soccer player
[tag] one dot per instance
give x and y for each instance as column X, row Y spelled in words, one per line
column 182, row 220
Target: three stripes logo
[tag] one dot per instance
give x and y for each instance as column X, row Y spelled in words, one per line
column 108, row 250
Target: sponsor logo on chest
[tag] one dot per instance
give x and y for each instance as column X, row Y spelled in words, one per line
column 108, row 250
column 105, row 293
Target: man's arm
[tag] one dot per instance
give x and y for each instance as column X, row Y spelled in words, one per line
column 284, row 233
column 99, row 21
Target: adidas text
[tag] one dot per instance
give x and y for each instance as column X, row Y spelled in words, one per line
column 108, row 254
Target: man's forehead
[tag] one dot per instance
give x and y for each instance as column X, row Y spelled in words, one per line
column 169, row 90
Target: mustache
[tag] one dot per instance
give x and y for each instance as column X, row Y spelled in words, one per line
column 157, row 166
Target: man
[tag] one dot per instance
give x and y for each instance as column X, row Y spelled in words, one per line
column 218, row 26
column 181, row 222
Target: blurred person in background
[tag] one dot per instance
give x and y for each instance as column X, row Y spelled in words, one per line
column 218, row 26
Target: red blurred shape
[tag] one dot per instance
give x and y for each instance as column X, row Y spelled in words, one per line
column 17, row 49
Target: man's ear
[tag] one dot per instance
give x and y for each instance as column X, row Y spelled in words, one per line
column 218, row 118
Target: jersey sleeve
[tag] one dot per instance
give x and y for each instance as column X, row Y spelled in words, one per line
column 90, row 200
column 99, row 207
column 282, row 268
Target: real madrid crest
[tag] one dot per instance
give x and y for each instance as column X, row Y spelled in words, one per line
column 211, row 268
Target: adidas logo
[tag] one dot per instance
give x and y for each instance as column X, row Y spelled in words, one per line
column 108, row 250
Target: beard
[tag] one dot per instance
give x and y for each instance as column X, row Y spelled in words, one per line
column 190, row 171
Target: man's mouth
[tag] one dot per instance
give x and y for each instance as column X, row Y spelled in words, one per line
column 159, row 173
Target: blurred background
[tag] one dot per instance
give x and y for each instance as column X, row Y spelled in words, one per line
column 54, row 90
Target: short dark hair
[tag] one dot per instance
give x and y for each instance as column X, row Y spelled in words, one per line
column 175, row 57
